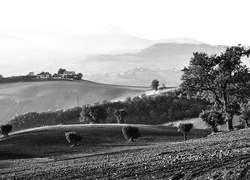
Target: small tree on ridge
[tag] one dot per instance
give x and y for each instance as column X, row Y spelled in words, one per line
column 185, row 128
column 155, row 84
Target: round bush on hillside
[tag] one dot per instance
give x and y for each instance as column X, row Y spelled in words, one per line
column 131, row 133
column 5, row 129
column 73, row 137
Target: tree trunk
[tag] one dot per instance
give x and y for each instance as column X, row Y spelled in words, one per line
column 247, row 122
column 121, row 120
column 214, row 129
column 185, row 136
column 131, row 140
column 230, row 123
column 118, row 120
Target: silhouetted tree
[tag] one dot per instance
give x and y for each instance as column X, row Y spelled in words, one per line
column 155, row 84
column 222, row 79
column 73, row 137
column 185, row 128
column 131, row 133
column 5, row 129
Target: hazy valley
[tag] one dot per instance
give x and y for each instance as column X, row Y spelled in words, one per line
column 97, row 54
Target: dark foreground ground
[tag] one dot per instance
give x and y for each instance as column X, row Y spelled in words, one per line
column 221, row 156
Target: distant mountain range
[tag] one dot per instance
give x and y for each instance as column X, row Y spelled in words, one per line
column 108, row 51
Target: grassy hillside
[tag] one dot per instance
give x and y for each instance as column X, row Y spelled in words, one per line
column 97, row 138
column 108, row 156
column 22, row 97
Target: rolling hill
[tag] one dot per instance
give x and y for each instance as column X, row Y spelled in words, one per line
column 38, row 96
column 107, row 136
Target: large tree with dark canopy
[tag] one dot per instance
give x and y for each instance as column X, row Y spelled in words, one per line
column 222, row 79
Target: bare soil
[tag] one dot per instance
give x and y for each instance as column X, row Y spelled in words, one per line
column 154, row 156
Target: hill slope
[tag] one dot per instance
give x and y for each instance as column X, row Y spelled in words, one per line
column 18, row 98
column 96, row 138
column 221, row 156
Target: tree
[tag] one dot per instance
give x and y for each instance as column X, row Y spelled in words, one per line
column 221, row 79
column 185, row 128
column 61, row 71
column 5, row 129
column 155, row 84
column 120, row 115
column 245, row 113
column 93, row 114
column 212, row 118
column 131, row 133
column 73, row 137
column 79, row 76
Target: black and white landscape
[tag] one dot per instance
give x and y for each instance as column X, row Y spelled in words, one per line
column 124, row 89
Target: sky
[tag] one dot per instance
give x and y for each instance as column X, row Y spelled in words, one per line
column 210, row 21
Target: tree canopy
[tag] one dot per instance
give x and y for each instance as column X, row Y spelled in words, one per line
column 222, row 79
column 93, row 114
column 155, row 84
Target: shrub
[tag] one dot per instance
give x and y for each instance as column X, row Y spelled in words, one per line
column 5, row 129
column 73, row 137
column 131, row 133
column 185, row 128
column 240, row 126
column 213, row 118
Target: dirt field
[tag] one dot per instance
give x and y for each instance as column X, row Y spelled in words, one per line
column 44, row 153
column 159, row 154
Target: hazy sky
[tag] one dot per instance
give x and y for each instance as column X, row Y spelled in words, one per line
column 211, row 21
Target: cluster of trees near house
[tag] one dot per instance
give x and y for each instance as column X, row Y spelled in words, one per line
column 62, row 73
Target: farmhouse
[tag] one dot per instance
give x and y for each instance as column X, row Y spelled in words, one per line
column 44, row 75
column 68, row 74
